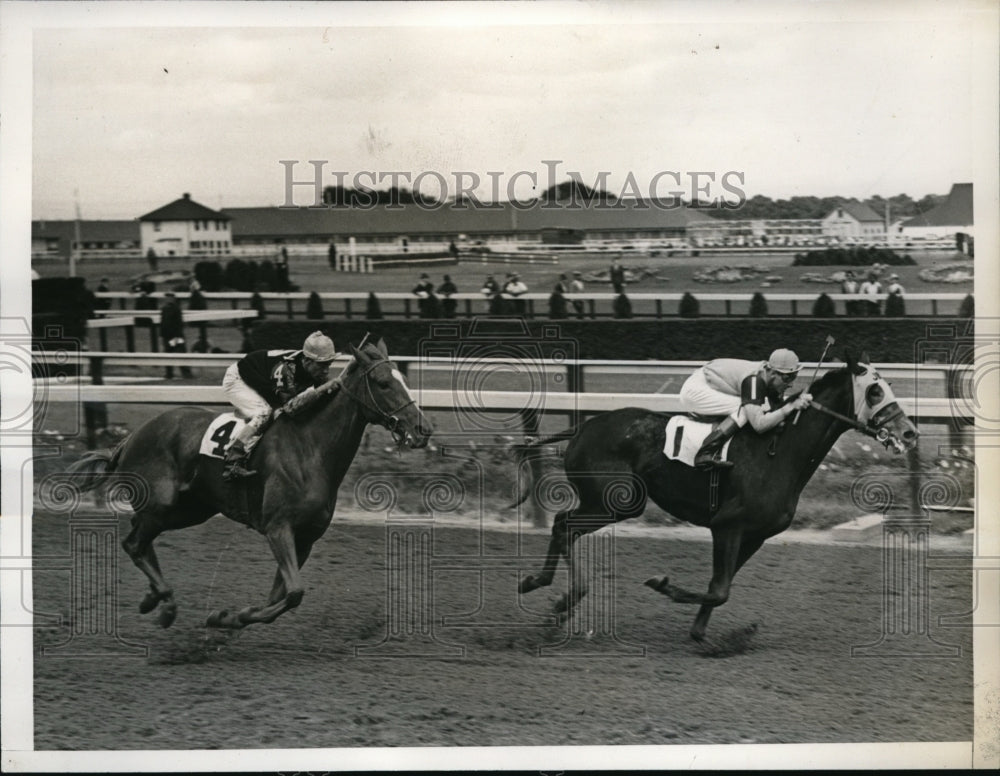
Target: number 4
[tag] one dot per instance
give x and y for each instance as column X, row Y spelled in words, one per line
column 221, row 437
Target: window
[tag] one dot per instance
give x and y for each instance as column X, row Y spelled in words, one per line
column 197, row 225
column 156, row 226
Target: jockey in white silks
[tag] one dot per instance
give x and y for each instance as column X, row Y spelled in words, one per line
column 744, row 392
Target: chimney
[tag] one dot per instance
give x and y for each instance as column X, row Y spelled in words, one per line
column 187, row 195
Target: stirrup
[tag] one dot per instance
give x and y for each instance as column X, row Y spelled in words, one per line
column 236, row 470
column 712, row 463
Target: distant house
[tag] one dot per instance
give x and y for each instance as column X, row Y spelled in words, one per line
column 853, row 222
column 949, row 219
column 185, row 228
column 56, row 239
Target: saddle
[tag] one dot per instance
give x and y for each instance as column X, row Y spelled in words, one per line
column 685, row 435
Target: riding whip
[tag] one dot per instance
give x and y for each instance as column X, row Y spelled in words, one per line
column 829, row 341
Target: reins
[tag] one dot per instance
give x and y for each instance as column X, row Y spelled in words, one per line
column 388, row 417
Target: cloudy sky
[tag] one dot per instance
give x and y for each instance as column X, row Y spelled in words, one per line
column 831, row 98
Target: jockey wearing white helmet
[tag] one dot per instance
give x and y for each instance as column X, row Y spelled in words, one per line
column 739, row 389
column 264, row 380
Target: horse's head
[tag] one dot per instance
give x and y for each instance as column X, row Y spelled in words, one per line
column 874, row 408
column 375, row 383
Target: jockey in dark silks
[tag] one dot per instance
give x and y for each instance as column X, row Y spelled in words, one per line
column 739, row 390
column 264, row 380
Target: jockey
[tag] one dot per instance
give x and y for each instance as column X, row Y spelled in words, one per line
column 738, row 389
column 264, row 380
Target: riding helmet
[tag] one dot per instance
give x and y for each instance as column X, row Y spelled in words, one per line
column 319, row 347
column 783, row 360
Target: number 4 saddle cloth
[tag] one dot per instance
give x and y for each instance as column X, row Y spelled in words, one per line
column 220, row 434
column 685, row 436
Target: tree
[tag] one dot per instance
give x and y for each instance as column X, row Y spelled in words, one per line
column 373, row 310
column 823, row 307
column 758, row 306
column 314, row 308
column 968, row 308
column 689, row 307
column 894, row 306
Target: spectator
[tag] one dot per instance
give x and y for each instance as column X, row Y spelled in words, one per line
column 871, row 289
column 617, row 272
column 424, row 290
column 446, row 289
column 102, row 288
column 515, row 288
column 849, row 285
column 557, row 303
column 491, row 290
column 563, row 284
column 453, row 250
column 576, row 287
column 172, row 332
column 152, row 260
column 894, row 288
column 332, row 254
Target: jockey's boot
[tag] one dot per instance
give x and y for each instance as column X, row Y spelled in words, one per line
column 235, row 462
column 711, row 448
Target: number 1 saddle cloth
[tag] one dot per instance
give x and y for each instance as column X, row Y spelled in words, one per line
column 685, row 436
column 220, row 434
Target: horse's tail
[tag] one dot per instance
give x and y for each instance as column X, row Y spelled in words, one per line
column 522, row 452
column 95, row 467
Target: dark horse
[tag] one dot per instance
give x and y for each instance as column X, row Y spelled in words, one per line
column 622, row 452
column 301, row 461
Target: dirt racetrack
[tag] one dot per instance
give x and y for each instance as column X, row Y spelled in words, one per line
column 300, row 683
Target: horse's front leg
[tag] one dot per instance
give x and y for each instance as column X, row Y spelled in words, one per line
column 726, row 543
column 286, row 592
column 747, row 548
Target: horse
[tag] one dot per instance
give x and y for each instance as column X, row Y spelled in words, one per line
column 616, row 463
column 301, row 460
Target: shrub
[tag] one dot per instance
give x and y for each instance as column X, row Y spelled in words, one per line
column 968, row 308
column 856, row 256
column 823, row 307
column 314, row 309
column 197, row 301
column 256, row 303
column 373, row 310
column 758, row 306
column 622, row 307
column 267, row 276
column 209, row 275
column 236, row 275
column 689, row 307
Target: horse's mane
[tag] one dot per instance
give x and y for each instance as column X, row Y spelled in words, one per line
column 370, row 349
column 827, row 380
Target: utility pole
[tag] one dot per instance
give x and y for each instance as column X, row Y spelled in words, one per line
column 76, row 235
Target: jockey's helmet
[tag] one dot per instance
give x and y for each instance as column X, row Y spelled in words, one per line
column 784, row 361
column 319, row 347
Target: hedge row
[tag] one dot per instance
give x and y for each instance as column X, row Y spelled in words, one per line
column 886, row 340
column 861, row 256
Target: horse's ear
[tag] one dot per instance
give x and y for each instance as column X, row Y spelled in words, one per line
column 380, row 345
column 358, row 355
column 865, row 359
column 852, row 362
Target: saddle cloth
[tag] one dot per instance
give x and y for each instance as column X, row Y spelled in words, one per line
column 220, row 434
column 685, row 436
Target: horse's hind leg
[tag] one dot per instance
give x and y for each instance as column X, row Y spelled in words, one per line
column 557, row 546
column 139, row 546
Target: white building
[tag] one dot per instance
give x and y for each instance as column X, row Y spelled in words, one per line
column 185, row 228
column 854, row 222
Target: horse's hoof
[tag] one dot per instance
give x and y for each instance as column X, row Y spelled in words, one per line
column 562, row 605
column 245, row 615
column 659, row 584
column 168, row 613
column 149, row 602
column 527, row 585
column 215, row 618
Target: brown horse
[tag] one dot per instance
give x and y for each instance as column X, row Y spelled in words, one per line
column 301, row 461
column 615, row 461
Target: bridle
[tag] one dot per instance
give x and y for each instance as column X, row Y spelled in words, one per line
column 882, row 412
column 387, row 418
